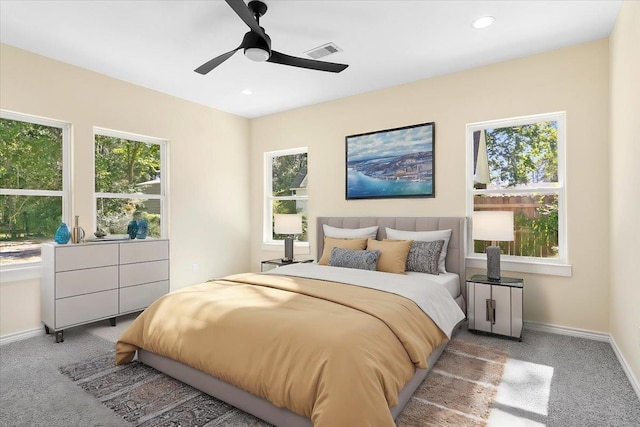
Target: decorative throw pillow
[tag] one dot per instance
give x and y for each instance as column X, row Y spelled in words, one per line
column 350, row 233
column 393, row 255
column 424, row 236
column 424, row 256
column 330, row 243
column 363, row 260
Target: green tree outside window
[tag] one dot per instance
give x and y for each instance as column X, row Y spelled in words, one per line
column 31, row 187
column 127, row 172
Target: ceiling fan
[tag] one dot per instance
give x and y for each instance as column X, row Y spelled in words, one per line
column 257, row 44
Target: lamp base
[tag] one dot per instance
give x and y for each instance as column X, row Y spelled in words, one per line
column 288, row 249
column 493, row 262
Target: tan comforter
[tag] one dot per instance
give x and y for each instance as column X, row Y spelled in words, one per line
column 335, row 353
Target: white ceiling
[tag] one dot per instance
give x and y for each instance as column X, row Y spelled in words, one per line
column 158, row 44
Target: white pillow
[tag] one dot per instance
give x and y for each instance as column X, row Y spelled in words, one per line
column 350, row 233
column 424, row 236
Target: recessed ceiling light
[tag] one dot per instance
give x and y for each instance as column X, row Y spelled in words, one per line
column 483, row 22
column 246, row 91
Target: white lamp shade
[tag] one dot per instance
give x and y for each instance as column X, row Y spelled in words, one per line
column 493, row 225
column 287, row 224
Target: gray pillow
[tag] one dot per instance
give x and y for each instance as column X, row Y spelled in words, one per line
column 348, row 258
column 424, row 256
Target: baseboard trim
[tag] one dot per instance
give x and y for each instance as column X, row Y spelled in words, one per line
column 566, row 330
column 22, row 335
column 625, row 367
column 592, row 335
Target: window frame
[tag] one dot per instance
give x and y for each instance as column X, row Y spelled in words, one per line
column 164, row 173
column 552, row 266
column 268, row 243
column 31, row 270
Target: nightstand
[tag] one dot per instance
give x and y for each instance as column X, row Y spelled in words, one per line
column 495, row 306
column 278, row 262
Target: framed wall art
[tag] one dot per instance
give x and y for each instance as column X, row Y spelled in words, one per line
column 391, row 163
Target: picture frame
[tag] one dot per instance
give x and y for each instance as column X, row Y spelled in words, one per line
column 391, row 163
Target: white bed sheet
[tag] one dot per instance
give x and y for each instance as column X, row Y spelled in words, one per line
column 430, row 296
column 450, row 281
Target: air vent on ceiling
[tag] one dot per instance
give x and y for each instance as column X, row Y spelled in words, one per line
column 322, row 51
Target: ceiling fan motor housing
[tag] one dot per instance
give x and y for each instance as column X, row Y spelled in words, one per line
column 256, row 48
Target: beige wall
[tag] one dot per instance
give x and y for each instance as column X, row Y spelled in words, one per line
column 625, row 184
column 208, row 177
column 19, row 306
column 573, row 79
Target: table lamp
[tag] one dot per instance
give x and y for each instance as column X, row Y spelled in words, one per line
column 496, row 226
column 287, row 224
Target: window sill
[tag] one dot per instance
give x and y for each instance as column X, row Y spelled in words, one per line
column 278, row 246
column 533, row 267
column 16, row 274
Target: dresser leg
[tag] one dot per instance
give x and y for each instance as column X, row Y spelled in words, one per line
column 112, row 321
column 46, row 330
column 59, row 336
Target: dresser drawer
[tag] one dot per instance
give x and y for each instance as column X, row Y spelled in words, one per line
column 142, row 251
column 90, row 280
column 144, row 272
column 84, row 308
column 86, row 256
column 140, row 297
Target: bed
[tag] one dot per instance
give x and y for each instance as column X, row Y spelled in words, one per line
column 390, row 360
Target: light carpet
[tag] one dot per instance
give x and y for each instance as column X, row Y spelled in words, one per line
column 458, row 391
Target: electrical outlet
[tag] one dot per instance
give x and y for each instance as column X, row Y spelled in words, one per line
column 196, row 267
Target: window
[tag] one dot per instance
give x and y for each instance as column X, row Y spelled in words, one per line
column 34, row 186
column 285, row 190
column 518, row 165
column 129, row 181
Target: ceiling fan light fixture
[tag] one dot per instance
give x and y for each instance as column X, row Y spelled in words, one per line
column 483, row 22
column 256, row 54
column 256, row 43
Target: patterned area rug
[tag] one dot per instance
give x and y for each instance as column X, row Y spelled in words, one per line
column 458, row 391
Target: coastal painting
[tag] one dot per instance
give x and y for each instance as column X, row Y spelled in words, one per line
column 391, row 163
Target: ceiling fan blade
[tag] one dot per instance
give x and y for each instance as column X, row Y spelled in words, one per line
column 281, row 58
column 241, row 9
column 210, row 65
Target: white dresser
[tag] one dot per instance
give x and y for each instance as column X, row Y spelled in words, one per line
column 86, row 282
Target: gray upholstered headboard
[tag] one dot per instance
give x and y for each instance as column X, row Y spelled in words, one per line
column 455, row 261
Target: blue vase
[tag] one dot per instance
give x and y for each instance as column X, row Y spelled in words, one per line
column 143, row 229
column 132, row 229
column 62, row 234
